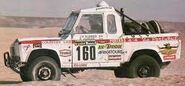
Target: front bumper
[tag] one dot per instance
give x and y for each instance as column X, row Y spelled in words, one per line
column 12, row 62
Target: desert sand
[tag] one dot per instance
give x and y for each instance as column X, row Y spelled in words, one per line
column 173, row 75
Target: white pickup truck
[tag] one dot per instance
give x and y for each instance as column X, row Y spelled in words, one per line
column 96, row 38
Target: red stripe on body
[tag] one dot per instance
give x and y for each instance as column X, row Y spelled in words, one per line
column 30, row 42
column 35, row 41
column 102, row 41
column 151, row 39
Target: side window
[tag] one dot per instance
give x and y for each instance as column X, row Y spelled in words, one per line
column 90, row 24
column 111, row 24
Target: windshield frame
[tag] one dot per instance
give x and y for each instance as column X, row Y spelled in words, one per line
column 69, row 24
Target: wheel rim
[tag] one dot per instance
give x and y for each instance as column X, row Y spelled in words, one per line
column 44, row 73
column 144, row 71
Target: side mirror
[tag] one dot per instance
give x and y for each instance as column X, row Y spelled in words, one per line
column 60, row 33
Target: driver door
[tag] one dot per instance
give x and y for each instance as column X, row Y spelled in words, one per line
column 85, row 50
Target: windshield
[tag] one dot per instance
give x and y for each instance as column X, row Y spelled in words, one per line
column 68, row 25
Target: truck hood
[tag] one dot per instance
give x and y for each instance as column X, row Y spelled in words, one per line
column 37, row 39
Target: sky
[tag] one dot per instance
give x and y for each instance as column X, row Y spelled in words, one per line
column 164, row 10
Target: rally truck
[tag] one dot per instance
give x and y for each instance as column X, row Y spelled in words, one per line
column 96, row 38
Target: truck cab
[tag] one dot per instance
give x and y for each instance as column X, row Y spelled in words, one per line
column 90, row 32
column 96, row 38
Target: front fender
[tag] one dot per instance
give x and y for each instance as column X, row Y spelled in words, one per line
column 25, row 57
column 146, row 48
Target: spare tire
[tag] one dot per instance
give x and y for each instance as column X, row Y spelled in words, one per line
column 151, row 28
column 156, row 26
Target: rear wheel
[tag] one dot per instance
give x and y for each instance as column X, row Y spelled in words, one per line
column 144, row 66
column 41, row 69
column 122, row 71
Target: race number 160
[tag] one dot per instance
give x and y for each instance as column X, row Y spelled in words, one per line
column 88, row 52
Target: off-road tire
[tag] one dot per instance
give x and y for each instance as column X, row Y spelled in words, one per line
column 144, row 66
column 23, row 74
column 41, row 69
column 152, row 29
column 156, row 25
column 121, row 72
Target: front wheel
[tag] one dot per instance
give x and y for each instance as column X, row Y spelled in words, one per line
column 144, row 66
column 41, row 69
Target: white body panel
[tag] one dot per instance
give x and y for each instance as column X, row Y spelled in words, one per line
column 127, row 45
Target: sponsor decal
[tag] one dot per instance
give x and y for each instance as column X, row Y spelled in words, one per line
column 168, row 51
column 80, row 65
column 110, row 46
column 169, row 57
column 65, row 53
column 37, row 45
column 90, row 42
column 114, row 57
column 26, row 47
column 151, row 39
column 103, row 41
column 81, row 43
column 51, row 42
column 112, row 52
column 116, row 40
